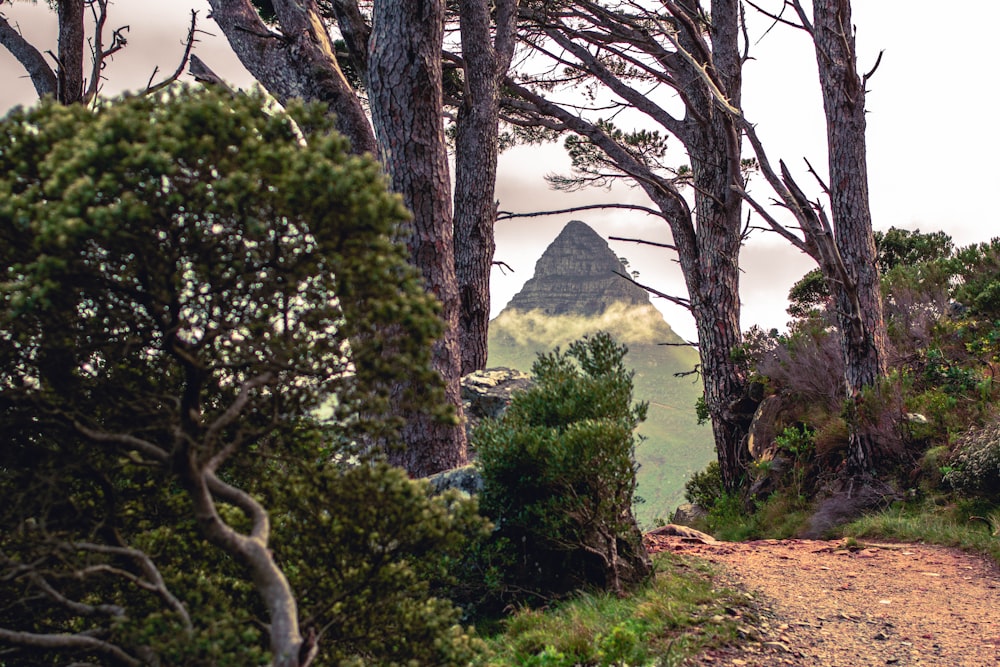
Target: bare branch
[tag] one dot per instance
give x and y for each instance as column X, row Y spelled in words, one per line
column 871, row 72
column 680, row 301
column 154, row 580
column 125, row 440
column 230, row 415
column 508, row 215
column 67, row 641
column 188, row 46
column 777, row 18
column 76, row 607
column 504, row 266
column 202, row 73
column 668, row 246
column 822, row 184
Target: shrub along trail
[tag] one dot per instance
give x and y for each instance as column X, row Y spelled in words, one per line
column 840, row 604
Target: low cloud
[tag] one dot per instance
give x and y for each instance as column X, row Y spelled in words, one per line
column 627, row 323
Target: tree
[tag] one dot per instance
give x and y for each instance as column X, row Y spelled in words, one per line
column 217, row 283
column 486, row 57
column 618, row 53
column 894, row 248
column 404, row 79
column 67, row 82
column 458, row 257
column 844, row 247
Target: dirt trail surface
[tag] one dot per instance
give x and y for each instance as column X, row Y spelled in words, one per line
column 825, row 604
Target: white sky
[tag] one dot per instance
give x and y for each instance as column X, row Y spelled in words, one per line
column 932, row 147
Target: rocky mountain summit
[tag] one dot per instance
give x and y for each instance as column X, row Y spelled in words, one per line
column 578, row 273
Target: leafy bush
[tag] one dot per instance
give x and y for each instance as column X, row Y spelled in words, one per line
column 975, row 468
column 705, row 487
column 559, row 477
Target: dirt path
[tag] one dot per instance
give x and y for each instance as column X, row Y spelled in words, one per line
column 820, row 603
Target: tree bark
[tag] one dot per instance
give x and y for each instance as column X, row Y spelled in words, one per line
column 42, row 76
column 69, row 72
column 858, row 302
column 298, row 62
column 406, row 94
column 486, row 59
column 714, row 145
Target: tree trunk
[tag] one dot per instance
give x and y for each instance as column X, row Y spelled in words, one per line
column 69, row 72
column 713, row 142
column 475, row 181
column 405, row 88
column 299, row 62
column 858, row 303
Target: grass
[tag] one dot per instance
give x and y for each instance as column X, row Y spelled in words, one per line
column 675, row 616
column 945, row 524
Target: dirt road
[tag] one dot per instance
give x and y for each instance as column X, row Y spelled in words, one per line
column 824, row 604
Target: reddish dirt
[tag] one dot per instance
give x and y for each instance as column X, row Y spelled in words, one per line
column 823, row 603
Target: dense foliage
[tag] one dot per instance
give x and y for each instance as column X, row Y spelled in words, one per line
column 559, row 477
column 202, row 312
column 935, row 416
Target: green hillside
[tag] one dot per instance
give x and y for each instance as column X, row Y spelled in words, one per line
column 675, row 445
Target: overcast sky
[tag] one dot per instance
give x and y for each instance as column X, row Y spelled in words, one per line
column 933, row 148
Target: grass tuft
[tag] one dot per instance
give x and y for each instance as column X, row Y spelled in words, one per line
column 949, row 525
column 663, row 623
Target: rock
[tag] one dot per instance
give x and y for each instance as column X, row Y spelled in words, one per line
column 466, row 479
column 487, row 393
column 683, row 532
column 688, row 514
column 916, row 418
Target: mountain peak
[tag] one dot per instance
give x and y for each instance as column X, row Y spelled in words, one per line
column 578, row 274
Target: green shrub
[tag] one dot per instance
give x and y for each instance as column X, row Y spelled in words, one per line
column 975, row 469
column 559, row 478
column 705, row 487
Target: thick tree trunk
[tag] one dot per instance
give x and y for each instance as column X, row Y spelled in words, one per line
column 711, row 268
column 69, row 72
column 405, row 87
column 475, row 181
column 476, row 144
column 297, row 63
column 858, row 302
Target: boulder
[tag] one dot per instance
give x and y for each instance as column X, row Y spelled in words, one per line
column 487, row 393
column 688, row 514
column 466, row 479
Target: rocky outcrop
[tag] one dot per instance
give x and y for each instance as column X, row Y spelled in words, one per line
column 487, row 393
column 578, row 273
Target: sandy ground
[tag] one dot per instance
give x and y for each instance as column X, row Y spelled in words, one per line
column 822, row 603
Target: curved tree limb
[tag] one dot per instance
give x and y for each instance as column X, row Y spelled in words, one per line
column 31, row 59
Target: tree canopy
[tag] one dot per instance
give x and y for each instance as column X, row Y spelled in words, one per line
column 202, row 315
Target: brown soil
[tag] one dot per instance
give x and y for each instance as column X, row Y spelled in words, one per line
column 823, row 603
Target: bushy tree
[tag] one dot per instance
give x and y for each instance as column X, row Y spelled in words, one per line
column 559, row 475
column 202, row 314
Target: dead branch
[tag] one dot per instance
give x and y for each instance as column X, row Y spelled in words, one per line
column 31, row 59
column 680, row 301
column 668, row 246
column 189, row 43
column 509, row 215
column 871, row 72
